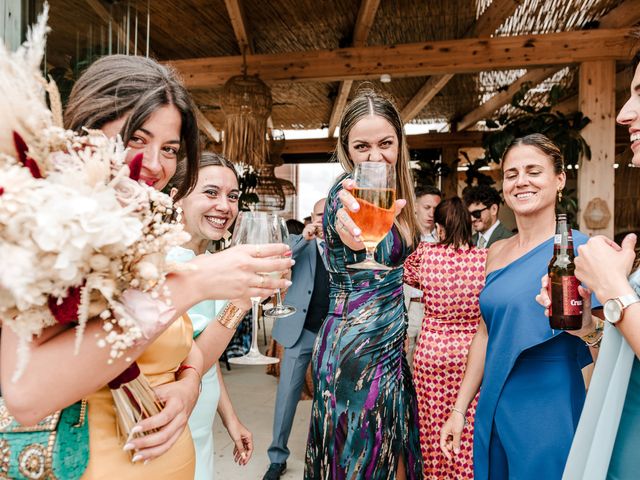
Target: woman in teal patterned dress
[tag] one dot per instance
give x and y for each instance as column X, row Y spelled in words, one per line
column 364, row 415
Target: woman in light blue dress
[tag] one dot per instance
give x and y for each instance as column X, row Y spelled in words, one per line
column 607, row 440
column 208, row 211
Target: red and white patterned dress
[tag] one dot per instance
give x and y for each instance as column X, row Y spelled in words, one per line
column 451, row 280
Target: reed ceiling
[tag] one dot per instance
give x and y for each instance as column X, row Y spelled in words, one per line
column 191, row 29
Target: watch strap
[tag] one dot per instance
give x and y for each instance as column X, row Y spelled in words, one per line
column 627, row 300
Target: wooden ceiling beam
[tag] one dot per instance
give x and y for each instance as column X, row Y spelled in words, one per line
column 364, row 22
column 532, row 77
column 239, row 24
column 416, row 59
column 207, row 127
column 624, row 15
column 419, row 142
column 492, row 17
column 486, row 25
column 426, row 93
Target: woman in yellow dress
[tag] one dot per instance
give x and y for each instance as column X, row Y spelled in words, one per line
column 146, row 104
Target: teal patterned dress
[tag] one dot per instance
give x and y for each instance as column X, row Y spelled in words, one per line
column 364, row 414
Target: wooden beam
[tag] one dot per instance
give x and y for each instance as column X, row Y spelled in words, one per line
column 596, row 177
column 364, row 22
column 493, row 16
column 623, row 78
column 239, row 24
column 415, row 59
column 426, row 93
column 338, row 105
column 624, row 15
column 207, row 127
column 418, row 142
column 532, row 77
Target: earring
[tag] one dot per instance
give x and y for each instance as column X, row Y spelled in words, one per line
column 559, row 195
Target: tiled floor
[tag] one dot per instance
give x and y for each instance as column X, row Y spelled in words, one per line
column 253, row 395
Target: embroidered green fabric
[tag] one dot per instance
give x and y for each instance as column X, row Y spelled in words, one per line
column 55, row 448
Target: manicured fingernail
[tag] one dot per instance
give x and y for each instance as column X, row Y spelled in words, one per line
column 457, row 450
column 287, row 253
column 146, row 461
column 357, row 232
column 134, row 431
column 128, row 446
column 137, row 458
column 293, row 262
column 355, row 206
column 288, row 283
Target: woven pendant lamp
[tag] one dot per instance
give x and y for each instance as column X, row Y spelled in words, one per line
column 246, row 102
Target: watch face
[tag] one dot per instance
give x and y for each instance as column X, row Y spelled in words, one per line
column 612, row 311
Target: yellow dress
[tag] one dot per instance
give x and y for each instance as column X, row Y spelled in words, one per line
column 107, row 460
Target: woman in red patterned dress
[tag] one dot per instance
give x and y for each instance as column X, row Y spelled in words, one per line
column 451, row 275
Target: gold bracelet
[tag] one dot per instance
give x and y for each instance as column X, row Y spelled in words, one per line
column 230, row 316
column 594, row 338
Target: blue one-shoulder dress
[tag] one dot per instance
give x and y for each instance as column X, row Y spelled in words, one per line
column 532, row 390
column 364, row 413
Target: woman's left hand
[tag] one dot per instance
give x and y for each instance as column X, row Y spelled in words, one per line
column 179, row 399
column 243, row 441
column 588, row 324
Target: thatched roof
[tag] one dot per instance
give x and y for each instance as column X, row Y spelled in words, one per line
column 197, row 28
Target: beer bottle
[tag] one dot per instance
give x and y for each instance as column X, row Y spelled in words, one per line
column 565, row 312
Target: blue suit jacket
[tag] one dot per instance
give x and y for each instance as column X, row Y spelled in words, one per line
column 287, row 330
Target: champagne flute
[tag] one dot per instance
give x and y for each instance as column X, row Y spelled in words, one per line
column 376, row 194
column 256, row 228
column 280, row 310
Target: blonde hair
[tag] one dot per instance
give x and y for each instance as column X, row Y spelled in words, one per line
column 371, row 102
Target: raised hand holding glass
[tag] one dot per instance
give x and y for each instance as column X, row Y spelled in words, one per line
column 376, row 194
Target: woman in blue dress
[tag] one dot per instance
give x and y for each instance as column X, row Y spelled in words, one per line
column 208, row 211
column 608, row 437
column 364, row 416
column 532, row 387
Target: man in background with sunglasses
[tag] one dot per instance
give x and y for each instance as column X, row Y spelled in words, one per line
column 483, row 203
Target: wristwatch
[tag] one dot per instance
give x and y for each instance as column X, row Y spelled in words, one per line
column 614, row 307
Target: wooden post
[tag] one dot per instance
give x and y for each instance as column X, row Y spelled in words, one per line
column 11, row 21
column 596, row 178
column 449, row 184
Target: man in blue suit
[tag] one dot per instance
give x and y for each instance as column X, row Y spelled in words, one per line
column 309, row 294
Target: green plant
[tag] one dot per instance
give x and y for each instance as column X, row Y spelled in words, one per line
column 427, row 170
column 563, row 130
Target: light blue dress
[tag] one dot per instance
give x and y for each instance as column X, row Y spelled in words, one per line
column 607, row 440
column 201, row 420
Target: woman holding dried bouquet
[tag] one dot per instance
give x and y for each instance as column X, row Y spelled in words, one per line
column 208, row 211
column 143, row 102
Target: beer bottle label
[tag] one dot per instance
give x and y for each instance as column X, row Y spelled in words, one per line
column 571, row 299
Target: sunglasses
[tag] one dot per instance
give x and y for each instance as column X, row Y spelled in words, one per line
column 478, row 213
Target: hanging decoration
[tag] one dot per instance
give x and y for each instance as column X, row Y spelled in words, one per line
column 246, row 102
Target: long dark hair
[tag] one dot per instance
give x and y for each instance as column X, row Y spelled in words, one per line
column 207, row 159
column 371, row 102
column 118, row 85
column 453, row 216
